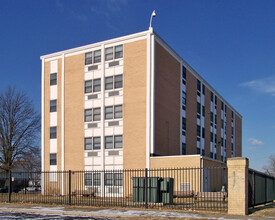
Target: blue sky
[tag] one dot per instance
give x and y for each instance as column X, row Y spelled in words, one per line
column 231, row 44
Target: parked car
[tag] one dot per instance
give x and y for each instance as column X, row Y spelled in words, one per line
column 33, row 188
column 5, row 189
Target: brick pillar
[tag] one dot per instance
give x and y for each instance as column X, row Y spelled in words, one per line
column 237, row 185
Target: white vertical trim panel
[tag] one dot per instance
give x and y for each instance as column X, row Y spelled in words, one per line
column 42, row 123
column 62, row 124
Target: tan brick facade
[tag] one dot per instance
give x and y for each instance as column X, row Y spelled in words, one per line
column 167, row 103
column 74, row 112
column 134, row 105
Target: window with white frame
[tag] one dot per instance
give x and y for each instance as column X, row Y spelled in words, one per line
column 53, row 160
column 53, row 79
column 113, row 142
column 113, row 112
column 113, row 52
column 53, row 105
column 93, row 57
column 92, row 114
column 92, row 143
column 114, row 82
column 92, row 85
column 113, row 179
column 53, row 132
column 92, row 179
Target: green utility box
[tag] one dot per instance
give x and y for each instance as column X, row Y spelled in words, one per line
column 167, row 189
column 158, row 190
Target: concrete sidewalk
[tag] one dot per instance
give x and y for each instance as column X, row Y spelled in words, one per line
column 120, row 213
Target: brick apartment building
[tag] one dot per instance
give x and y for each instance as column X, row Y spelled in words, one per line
column 131, row 103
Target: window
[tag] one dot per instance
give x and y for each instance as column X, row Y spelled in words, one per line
column 232, row 146
column 203, row 89
column 92, row 143
column 222, row 106
column 232, row 131
column 91, row 57
column 112, row 82
column 113, row 112
column 53, row 79
column 203, row 152
column 183, row 148
column 96, row 143
column 198, row 150
column 203, row 132
column 222, row 123
column 198, row 108
column 203, row 111
column 53, row 133
column 232, row 115
column 199, row 85
column 88, row 179
column 118, row 81
column 118, row 51
column 118, row 111
column 92, row 114
column 215, row 119
column 183, row 72
column 212, row 97
column 88, row 144
column 198, row 130
column 96, row 85
column 96, row 115
column 97, row 56
column 215, row 100
column 183, row 98
column 88, row 58
column 112, row 142
column 118, row 141
column 215, row 138
column 183, row 123
column 109, row 83
column 96, row 179
column 113, row 179
column 53, row 106
column 92, row 85
column 211, row 116
column 109, row 53
column 109, row 112
column 108, row 142
column 88, row 115
column 222, row 142
column 88, row 86
column 211, row 136
column 53, row 159
column 92, row 179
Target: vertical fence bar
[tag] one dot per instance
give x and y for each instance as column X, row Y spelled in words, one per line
column 69, row 186
column 146, row 188
column 9, row 189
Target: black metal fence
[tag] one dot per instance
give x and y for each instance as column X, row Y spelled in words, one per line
column 261, row 188
column 182, row 188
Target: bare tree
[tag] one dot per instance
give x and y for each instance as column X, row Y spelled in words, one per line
column 19, row 128
column 270, row 168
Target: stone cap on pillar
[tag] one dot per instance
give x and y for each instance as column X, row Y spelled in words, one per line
column 238, row 161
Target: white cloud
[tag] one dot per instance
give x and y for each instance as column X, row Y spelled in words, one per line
column 264, row 85
column 255, row 142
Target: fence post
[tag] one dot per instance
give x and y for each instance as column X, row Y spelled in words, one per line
column 146, row 188
column 9, row 189
column 237, row 186
column 253, row 193
column 69, row 185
